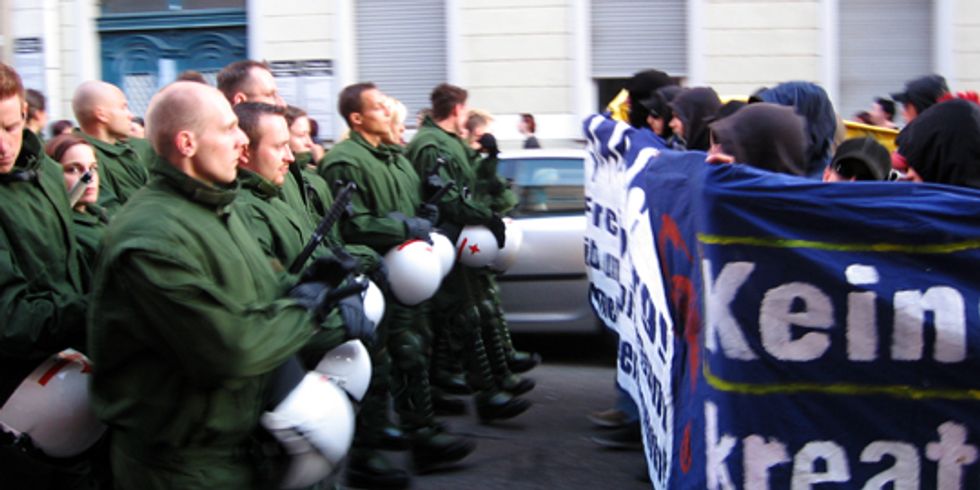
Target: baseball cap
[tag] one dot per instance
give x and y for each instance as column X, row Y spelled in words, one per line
column 922, row 92
column 862, row 158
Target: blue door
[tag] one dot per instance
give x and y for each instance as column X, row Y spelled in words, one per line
column 143, row 52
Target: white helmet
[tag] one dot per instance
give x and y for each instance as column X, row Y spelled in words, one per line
column 414, row 271
column 476, row 246
column 512, row 245
column 52, row 406
column 349, row 366
column 315, row 426
column 374, row 302
column 445, row 250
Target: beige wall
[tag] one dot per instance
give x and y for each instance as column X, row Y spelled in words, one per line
column 516, row 56
column 298, row 30
column 749, row 44
column 966, row 45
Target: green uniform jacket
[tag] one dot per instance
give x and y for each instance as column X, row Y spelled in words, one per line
column 316, row 191
column 429, row 145
column 188, row 319
column 500, row 198
column 385, row 183
column 89, row 228
column 122, row 170
column 42, row 307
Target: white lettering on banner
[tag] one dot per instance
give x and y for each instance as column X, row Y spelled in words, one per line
column 903, row 475
column 777, row 318
column 720, row 323
column 822, row 461
column 780, row 314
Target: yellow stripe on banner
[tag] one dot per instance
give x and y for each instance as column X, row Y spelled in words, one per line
column 846, row 389
column 776, row 242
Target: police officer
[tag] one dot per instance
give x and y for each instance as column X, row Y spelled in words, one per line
column 104, row 121
column 388, row 211
column 189, row 319
column 439, row 155
column 42, row 296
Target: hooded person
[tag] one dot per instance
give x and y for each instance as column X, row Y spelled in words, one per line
column 641, row 86
column 691, row 108
column 767, row 136
column 811, row 102
column 920, row 94
column 942, row 145
column 659, row 114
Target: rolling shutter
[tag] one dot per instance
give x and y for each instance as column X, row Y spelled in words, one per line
column 632, row 35
column 401, row 47
column 882, row 45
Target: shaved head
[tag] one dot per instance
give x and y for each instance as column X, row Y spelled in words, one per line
column 91, row 95
column 180, row 106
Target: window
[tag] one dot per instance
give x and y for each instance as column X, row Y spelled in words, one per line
column 546, row 185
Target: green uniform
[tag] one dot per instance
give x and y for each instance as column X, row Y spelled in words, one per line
column 89, row 228
column 387, row 184
column 436, row 151
column 282, row 232
column 188, row 319
column 42, row 306
column 122, row 170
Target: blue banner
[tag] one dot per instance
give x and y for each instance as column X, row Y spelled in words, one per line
column 779, row 332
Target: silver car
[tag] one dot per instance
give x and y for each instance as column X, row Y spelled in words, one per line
column 546, row 289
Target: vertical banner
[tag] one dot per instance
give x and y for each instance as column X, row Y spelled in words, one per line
column 786, row 333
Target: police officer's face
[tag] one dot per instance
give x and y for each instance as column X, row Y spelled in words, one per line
column 271, row 156
column 218, row 144
column 12, row 119
column 299, row 136
column 262, row 88
column 118, row 118
column 375, row 118
column 75, row 162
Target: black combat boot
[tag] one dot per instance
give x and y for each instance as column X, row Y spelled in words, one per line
column 434, row 448
column 369, row 468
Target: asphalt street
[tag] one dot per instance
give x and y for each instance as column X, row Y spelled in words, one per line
column 548, row 447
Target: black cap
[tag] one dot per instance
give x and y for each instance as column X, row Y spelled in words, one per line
column 922, row 92
column 863, row 158
column 887, row 105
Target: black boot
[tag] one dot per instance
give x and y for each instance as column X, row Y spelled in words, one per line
column 516, row 385
column 522, row 362
column 434, row 448
column 447, row 405
column 369, row 468
column 393, row 439
column 499, row 405
column 446, row 372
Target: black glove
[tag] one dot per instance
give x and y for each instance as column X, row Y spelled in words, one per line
column 329, row 269
column 498, row 228
column 355, row 322
column 418, row 228
column 379, row 276
column 311, row 295
column 495, row 187
column 488, row 143
column 433, row 183
column 428, row 212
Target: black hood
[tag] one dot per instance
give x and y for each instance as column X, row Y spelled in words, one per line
column 694, row 107
column 763, row 135
column 943, row 144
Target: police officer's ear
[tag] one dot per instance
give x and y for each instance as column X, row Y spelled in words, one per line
column 238, row 98
column 23, row 110
column 185, row 143
column 356, row 119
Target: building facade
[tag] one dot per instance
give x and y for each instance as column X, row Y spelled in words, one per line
column 557, row 59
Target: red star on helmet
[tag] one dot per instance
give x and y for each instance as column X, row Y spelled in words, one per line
column 474, row 249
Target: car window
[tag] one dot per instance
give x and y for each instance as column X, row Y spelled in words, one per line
column 546, row 185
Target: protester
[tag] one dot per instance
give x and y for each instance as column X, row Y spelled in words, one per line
column 691, row 107
column 182, row 398
column 105, row 122
column 37, row 114
column 882, row 113
column 811, row 102
column 89, row 220
column 387, row 211
column 641, row 86
column 762, row 135
column 942, row 145
column 920, row 94
column 527, row 127
column 42, row 298
column 439, row 156
column 859, row 159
